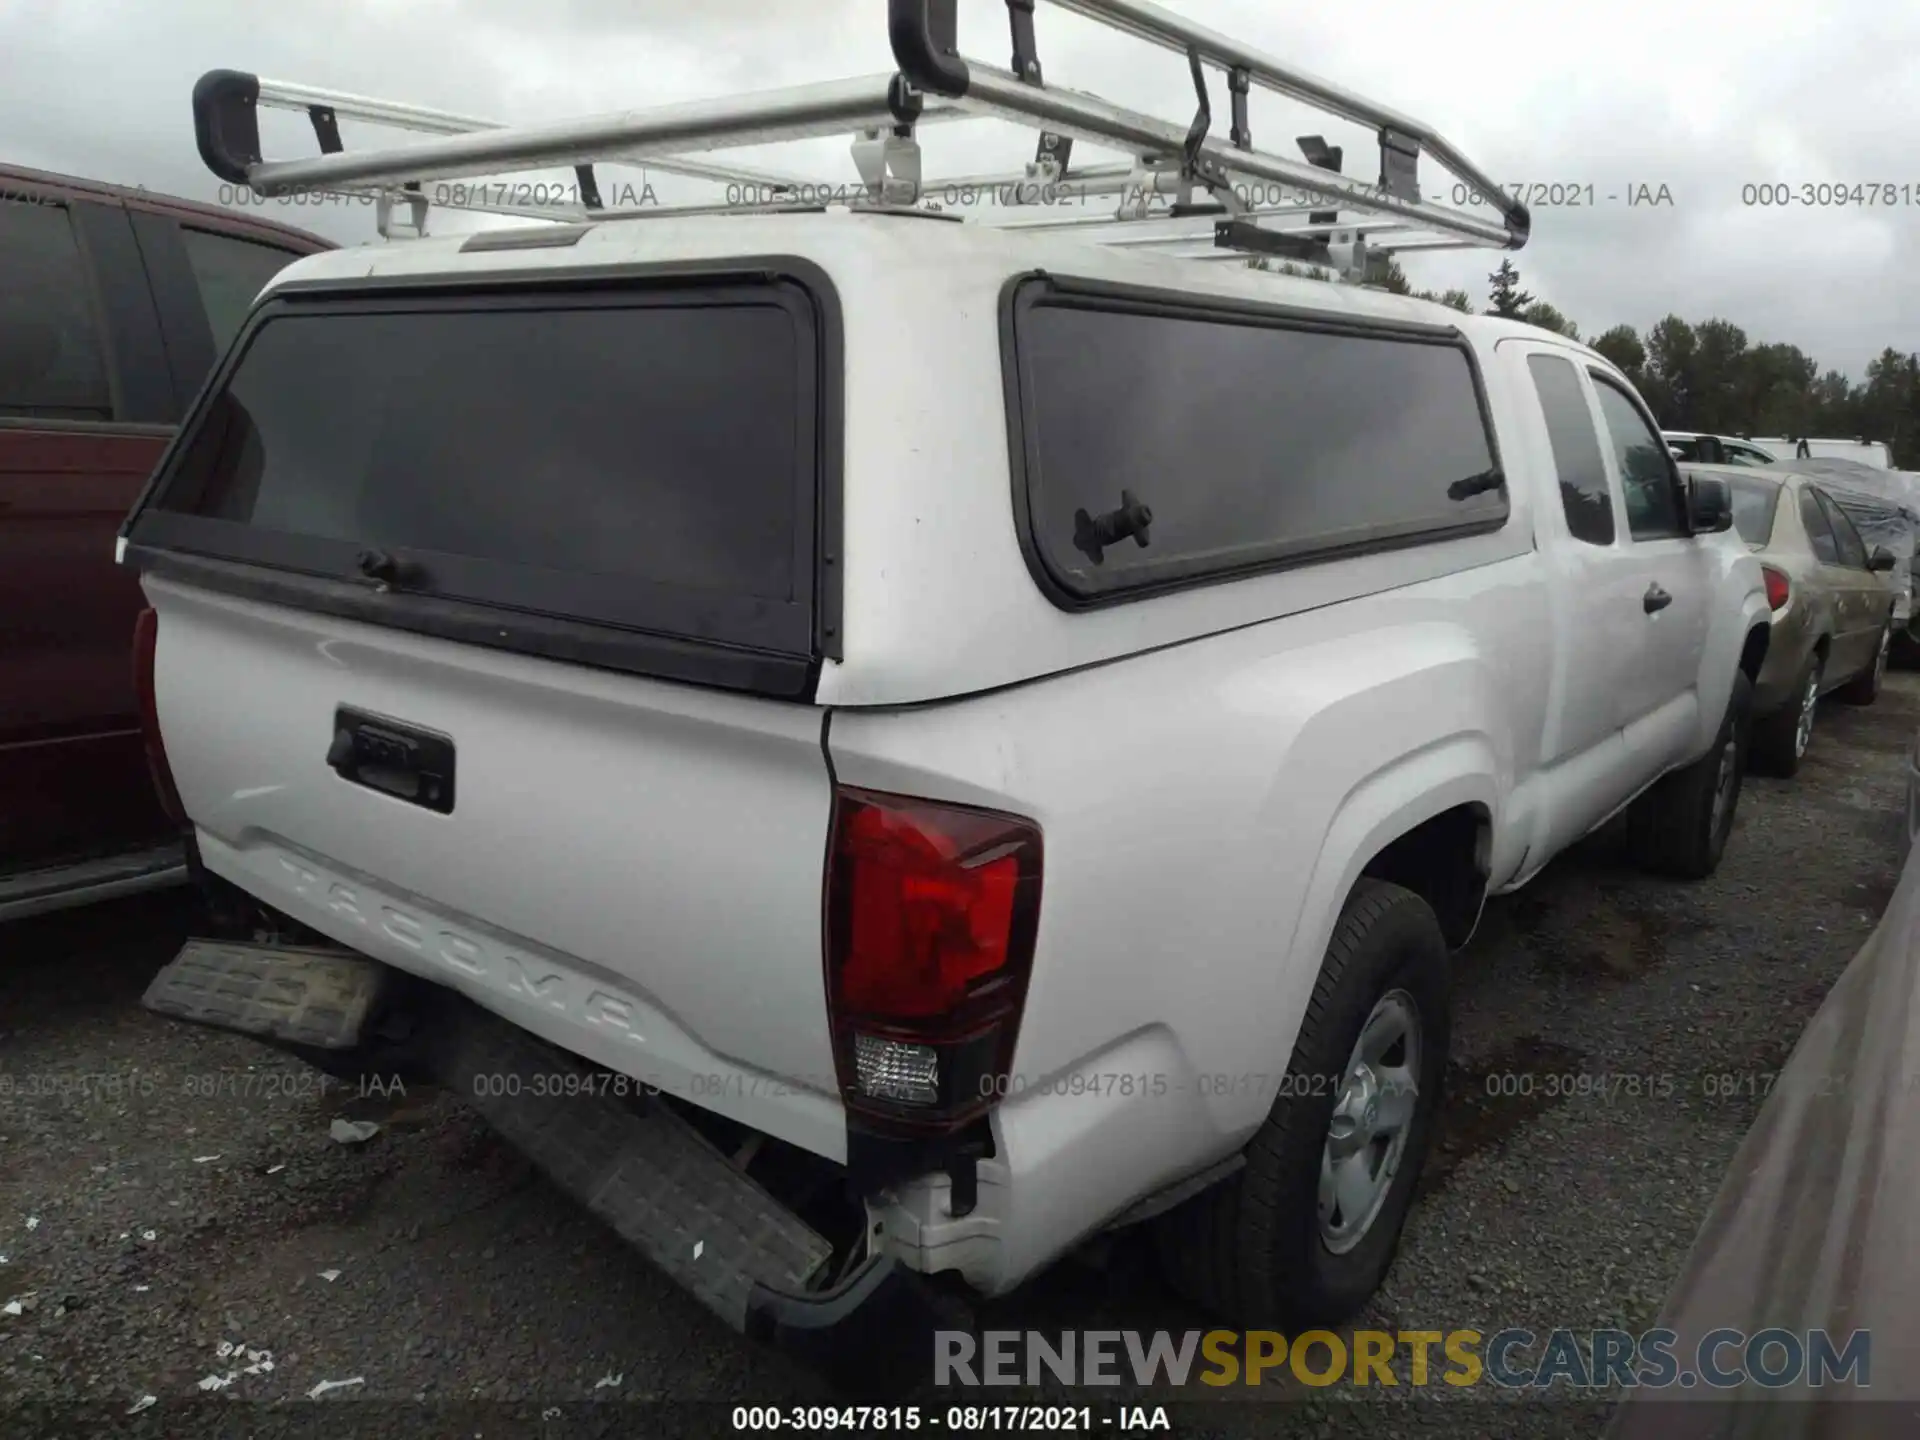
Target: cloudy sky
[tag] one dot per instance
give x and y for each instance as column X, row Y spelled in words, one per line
column 1702, row 97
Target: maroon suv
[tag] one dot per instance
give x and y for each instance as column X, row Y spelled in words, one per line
column 114, row 305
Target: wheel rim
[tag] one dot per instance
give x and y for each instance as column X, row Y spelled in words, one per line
column 1809, row 701
column 1372, row 1119
column 1880, row 660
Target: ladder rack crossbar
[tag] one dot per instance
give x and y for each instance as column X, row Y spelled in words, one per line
column 998, row 93
column 288, row 95
column 1152, row 22
column 1167, row 161
column 225, row 102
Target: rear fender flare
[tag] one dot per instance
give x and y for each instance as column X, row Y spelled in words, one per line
column 1382, row 806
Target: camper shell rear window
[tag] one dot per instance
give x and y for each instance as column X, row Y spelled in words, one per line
column 657, row 459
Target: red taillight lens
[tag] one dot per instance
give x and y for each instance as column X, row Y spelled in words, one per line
column 930, row 923
column 1778, row 590
column 146, row 640
column 921, row 926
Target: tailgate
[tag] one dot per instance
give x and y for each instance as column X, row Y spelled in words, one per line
column 487, row 629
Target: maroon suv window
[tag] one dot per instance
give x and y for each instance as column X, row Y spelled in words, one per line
column 230, row 273
column 52, row 363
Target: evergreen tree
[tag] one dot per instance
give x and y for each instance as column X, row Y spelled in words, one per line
column 1708, row 375
column 1506, row 297
column 1547, row 318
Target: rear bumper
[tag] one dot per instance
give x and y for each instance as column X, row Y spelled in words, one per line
column 631, row 1159
column 1071, row 1152
column 665, row 1190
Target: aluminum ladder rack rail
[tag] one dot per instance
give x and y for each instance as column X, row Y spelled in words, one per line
column 1180, row 171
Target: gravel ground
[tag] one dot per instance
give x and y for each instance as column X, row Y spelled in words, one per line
column 165, row 1191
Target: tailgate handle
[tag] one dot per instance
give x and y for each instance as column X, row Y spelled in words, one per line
column 393, row 757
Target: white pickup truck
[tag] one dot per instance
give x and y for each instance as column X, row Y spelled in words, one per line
column 935, row 741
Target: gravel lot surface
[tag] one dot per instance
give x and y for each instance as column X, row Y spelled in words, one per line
column 191, row 1197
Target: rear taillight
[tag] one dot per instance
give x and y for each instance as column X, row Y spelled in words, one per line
column 931, row 911
column 146, row 639
column 1778, row 590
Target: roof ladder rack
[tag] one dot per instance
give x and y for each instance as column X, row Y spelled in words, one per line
column 1181, row 188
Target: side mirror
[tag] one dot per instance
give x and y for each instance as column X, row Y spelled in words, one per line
column 1882, row 559
column 1709, row 504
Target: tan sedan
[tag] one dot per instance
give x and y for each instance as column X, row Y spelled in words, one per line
column 1832, row 610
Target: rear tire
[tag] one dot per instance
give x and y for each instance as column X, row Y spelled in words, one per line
column 1864, row 688
column 1257, row 1248
column 1680, row 826
column 1780, row 740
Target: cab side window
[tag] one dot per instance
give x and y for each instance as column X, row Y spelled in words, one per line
column 1576, row 449
column 1646, row 469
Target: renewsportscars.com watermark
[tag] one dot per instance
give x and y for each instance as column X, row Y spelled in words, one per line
column 1511, row 1359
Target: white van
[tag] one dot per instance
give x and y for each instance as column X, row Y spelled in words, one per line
column 1867, row 452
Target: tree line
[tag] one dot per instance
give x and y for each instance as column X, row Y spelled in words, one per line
column 1711, row 377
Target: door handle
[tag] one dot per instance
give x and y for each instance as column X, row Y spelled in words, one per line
column 397, row 759
column 1655, row 598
